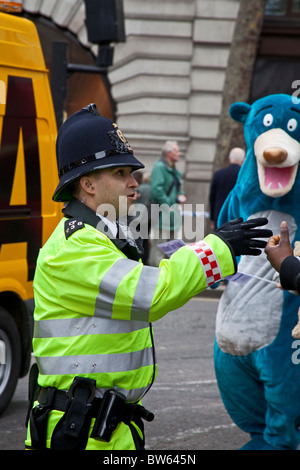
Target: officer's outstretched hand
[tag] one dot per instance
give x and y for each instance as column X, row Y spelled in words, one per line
column 241, row 236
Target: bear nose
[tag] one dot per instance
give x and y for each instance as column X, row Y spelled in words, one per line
column 275, row 155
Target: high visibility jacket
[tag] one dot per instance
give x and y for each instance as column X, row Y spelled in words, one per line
column 94, row 306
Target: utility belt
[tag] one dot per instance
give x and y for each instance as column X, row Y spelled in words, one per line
column 79, row 406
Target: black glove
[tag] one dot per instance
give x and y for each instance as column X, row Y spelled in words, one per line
column 240, row 235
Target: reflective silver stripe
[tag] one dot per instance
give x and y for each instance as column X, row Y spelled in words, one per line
column 92, row 364
column 84, row 326
column 109, row 284
column 144, row 293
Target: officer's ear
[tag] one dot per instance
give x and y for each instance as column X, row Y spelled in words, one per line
column 86, row 184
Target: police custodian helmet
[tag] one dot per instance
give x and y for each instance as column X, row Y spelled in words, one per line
column 85, row 142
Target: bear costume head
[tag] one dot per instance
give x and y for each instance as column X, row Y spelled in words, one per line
column 269, row 177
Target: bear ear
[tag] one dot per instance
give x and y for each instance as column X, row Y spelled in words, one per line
column 239, row 111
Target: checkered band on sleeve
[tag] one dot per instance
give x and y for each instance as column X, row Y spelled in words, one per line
column 208, row 260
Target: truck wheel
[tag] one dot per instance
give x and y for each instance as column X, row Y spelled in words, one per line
column 10, row 358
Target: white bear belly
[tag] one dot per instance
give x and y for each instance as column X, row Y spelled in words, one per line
column 249, row 314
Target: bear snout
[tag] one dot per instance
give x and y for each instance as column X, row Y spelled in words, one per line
column 275, row 155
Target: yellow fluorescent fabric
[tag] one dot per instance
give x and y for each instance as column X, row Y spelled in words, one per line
column 87, row 276
column 94, row 305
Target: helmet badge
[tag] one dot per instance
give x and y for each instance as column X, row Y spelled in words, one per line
column 119, row 141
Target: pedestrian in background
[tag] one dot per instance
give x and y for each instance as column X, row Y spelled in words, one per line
column 222, row 183
column 166, row 192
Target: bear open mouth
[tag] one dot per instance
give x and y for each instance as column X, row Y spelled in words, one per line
column 278, row 181
column 277, row 178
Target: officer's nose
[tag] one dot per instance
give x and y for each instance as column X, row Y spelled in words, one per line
column 275, row 155
column 133, row 183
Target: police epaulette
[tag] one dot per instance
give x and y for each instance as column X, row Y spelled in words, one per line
column 72, row 225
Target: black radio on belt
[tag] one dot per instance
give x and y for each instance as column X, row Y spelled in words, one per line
column 109, row 415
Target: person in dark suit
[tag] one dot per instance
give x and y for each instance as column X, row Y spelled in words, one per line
column 222, row 183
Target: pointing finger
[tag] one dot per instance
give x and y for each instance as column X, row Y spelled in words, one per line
column 284, row 233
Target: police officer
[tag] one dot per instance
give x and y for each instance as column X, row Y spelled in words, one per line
column 95, row 300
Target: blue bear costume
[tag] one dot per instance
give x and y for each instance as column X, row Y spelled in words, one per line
column 258, row 379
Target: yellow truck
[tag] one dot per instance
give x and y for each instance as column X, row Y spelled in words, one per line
column 28, row 177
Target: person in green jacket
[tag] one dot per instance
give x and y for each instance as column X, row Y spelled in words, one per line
column 166, row 197
column 95, row 300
